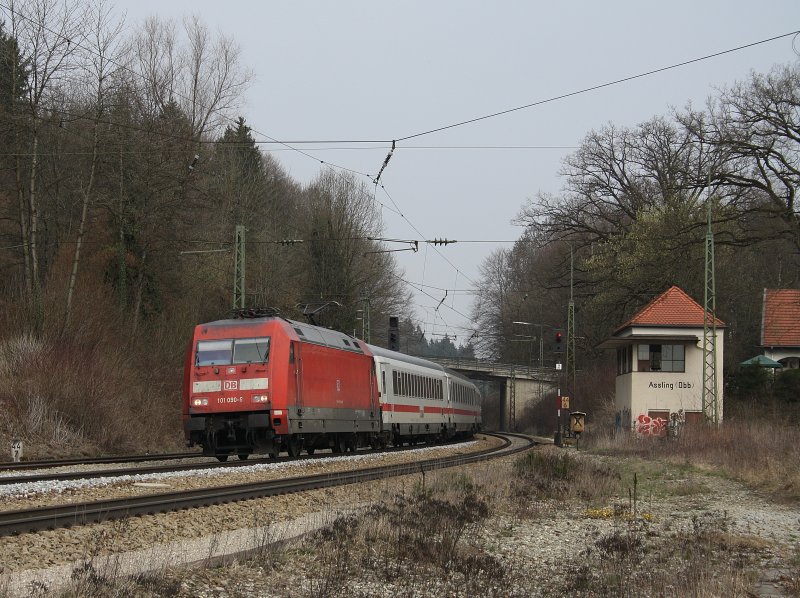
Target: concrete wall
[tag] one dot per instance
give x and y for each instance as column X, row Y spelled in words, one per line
column 528, row 392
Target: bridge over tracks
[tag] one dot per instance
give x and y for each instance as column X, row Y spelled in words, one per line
column 520, row 385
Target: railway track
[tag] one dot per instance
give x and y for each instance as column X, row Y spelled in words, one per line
column 49, row 463
column 103, row 473
column 31, row 520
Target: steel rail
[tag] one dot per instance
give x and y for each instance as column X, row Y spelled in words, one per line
column 41, row 464
column 31, row 520
column 107, row 473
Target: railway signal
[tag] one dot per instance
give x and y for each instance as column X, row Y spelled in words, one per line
column 394, row 333
column 559, row 341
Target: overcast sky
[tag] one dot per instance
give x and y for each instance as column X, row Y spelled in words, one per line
column 370, row 70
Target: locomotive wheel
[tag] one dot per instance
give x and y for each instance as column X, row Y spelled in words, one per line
column 222, row 458
column 294, row 446
column 243, row 456
column 310, row 450
column 339, row 444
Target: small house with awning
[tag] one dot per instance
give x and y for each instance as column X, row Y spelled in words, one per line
column 660, row 364
column 780, row 326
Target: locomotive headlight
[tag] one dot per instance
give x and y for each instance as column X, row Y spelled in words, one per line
column 199, row 402
column 260, row 398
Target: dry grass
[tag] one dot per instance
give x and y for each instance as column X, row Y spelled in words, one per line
column 763, row 453
column 432, row 540
column 63, row 397
column 642, row 559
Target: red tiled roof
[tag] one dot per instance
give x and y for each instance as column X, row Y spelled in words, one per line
column 780, row 319
column 672, row 308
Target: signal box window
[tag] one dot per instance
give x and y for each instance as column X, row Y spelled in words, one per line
column 661, row 358
column 624, row 360
column 251, row 350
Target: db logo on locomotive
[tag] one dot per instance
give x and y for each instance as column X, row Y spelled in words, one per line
column 231, row 385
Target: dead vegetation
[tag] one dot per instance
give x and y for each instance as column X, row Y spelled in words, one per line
column 488, row 530
column 763, row 452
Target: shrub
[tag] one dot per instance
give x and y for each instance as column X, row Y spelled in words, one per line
column 550, row 473
column 787, row 386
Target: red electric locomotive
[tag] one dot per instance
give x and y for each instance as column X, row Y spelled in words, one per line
column 263, row 383
column 269, row 384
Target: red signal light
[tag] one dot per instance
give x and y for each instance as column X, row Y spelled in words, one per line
column 559, row 344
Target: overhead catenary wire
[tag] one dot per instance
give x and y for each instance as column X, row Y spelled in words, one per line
column 563, row 96
column 330, row 165
column 11, row 10
column 596, row 87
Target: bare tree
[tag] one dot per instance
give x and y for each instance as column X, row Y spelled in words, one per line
column 48, row 33
column 756, row 126
column 154, row 62
column 342, row 262
column 212, row 78
column 100, row 63
column 615, row 176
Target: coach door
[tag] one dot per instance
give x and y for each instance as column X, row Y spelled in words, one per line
column 385, row 396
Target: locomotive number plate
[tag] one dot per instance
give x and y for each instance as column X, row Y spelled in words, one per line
column 230, row 400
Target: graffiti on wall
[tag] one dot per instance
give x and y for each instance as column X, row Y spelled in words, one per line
column 650, row 426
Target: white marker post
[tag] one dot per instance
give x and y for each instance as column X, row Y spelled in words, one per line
column 16, row 450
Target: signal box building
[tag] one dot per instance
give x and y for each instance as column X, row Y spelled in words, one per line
column 780, row 326
column 660, row 365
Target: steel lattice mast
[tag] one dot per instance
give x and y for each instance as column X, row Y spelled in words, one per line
column 570, row 357
column 238, row 268
column 366, row 322
column 710, row 398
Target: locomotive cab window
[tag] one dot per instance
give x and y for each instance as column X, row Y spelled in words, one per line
column 213, row 352
column 229, row 351
column 251, row 350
